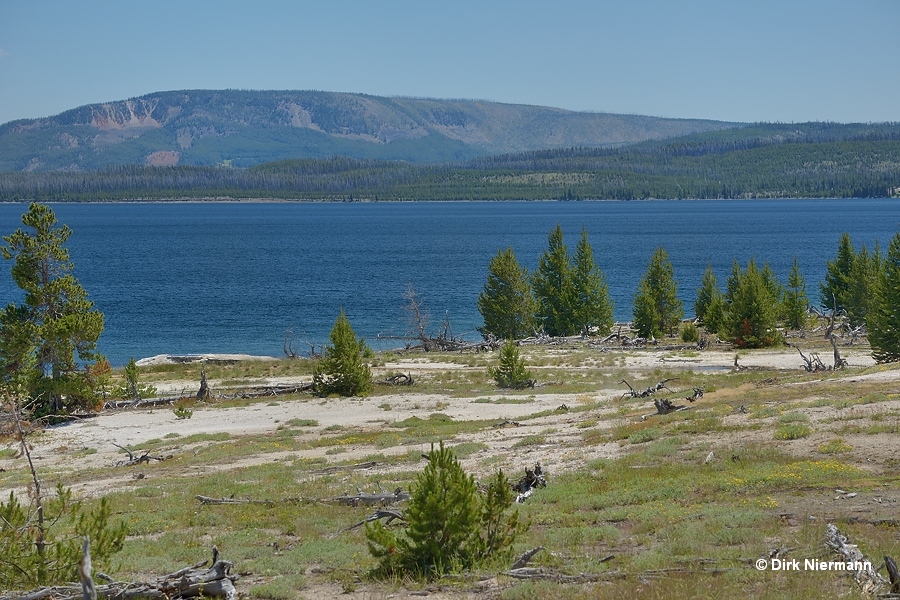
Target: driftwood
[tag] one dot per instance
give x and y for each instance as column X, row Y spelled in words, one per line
column 397, row 380
column 274, row 390
column 664, row 407
column 233, row 500
column 698, row 393
column 382, row 498
column 388, row 514
column 533, row 479
column 633, row 393
column 867, row 577
column 191, row 582
column 146, row 457
column 893, row 573
column 523, row 560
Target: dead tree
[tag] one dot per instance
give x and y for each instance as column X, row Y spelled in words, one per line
column 417, row 318
column 839, row 362
column 203, row 393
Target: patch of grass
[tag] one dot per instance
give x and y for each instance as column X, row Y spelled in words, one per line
column 645, row 435
column 793, row 417
column 835, row 446
column 301, row 423
column 792, row 431
column 531, row 440
column 284, row 587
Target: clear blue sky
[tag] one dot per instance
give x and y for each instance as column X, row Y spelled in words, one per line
column 760, row 60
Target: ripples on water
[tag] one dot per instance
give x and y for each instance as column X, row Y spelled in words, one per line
column 220, row 277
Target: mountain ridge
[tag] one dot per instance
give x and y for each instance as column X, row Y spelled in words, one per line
column 245, row 128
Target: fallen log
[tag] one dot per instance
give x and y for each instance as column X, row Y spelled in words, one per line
column 866, row 576
column 379, row 499
column 191, row 582
column 233, row 500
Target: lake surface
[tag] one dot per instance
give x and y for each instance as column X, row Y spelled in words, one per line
column 194, row 278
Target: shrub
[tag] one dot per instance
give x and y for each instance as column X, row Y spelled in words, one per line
column 449, row 526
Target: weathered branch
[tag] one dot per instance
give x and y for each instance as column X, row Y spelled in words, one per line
column 867, row 577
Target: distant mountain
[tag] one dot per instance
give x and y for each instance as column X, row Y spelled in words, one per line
column 246, row 128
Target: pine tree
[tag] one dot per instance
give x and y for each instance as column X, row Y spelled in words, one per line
column 343, row 369
column 833, row 291
column 511, row 372
column 553, row 289
column 450, row 526
column 776, row 290
column 883, row 319
column 657, row 309
column 861, row 285
column 55, row 332
column 752, row 311
column 132, row 388
column 795, row 303
column 506, row 303
column 710, row 303
column 592, row 306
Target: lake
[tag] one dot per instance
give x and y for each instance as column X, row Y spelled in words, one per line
column 190, row 278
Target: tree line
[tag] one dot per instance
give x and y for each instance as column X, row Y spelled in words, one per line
column 566, row 296
column 761, row 162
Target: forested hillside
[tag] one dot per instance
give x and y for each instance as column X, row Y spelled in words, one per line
column 769, row 161
column 247, row 128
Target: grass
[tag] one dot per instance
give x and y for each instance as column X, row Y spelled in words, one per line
column 642, row 490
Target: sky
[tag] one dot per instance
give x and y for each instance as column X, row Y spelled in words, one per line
column 760, row 61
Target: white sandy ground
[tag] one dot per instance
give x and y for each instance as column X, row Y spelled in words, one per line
column 90, row 442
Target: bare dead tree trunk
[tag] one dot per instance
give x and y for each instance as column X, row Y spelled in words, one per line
column 39, row 543
column 203, row 392
column 839, row 362
column 88, row 591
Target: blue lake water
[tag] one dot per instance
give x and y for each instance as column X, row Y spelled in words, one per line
column 225, row 277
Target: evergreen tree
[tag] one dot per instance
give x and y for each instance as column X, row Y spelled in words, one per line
column 506, row 303
column 795, row 302
column 343, row 369
column 553, row 288
column 862, row 280
column 833, row 291
column 511, row 372
column 776, row 290
column 883, row 318
column 54, row 333
column 449, row 525
column 710, row 303
column 132, row 388
column 657, row 309
column 752, row 311
column 592, row 306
